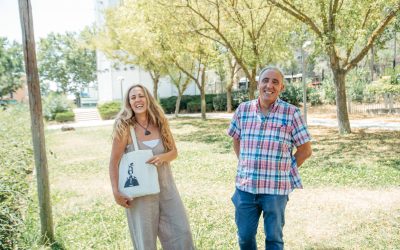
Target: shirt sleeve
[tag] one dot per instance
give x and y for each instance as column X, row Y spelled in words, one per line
column 300, row 132
column 234, row 127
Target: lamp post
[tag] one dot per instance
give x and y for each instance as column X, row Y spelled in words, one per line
column 303, row 77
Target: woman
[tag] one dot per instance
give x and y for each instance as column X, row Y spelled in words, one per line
column 163, row 214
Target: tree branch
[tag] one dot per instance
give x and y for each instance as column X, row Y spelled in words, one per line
column 377, row 32
column 292, row 10
column 350, row 49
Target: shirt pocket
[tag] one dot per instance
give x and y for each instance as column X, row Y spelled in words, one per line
column 250, row 129
column 280, row 134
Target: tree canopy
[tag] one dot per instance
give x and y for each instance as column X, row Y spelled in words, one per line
column 250, row 30
column 346, row 31
column 11, row 66
column 67, row 60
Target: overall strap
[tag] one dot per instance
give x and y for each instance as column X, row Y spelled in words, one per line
column 134, row 140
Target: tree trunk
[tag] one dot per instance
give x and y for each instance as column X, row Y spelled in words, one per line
column 156, row 80
column 372, row 63
column 234, row 79
column 203, row 93
column 38, row 139
column 341, row 107
column 229, row 99
column 203, row 102
column 391, row 111
column 252, row 84
column 178, row 103
column 394, row 50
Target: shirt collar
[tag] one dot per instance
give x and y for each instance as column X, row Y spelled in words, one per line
column 272, row 108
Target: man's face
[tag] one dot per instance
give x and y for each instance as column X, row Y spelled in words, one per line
column 270, row 85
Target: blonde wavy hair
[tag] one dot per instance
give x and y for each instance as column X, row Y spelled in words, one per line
column 155, row 114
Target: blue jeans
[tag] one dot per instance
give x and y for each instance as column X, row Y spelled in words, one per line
column 248, row 208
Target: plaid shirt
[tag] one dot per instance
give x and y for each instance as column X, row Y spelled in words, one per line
column 266, row 162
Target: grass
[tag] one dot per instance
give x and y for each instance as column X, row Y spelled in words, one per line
column 361, row 159
column 351, row 198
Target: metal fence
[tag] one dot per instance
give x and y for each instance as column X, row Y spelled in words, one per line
column 386, row 104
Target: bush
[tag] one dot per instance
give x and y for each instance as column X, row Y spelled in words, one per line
column 292, row 94
column 188, row 103
column 209, row 98
column 209, row 107
column 356, row 82
column 193, row 107
column 55, row 103
column 328, row 91
column 186, row 99
column 219, row 102
column 238, row 97
column 109, row 110
column 314, row 96
column 16, row 157
column 67, row 116
column 168, row 104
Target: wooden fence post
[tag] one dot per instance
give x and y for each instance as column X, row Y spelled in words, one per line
column 35, row 104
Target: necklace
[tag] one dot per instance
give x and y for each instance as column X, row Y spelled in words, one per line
column 146, row 132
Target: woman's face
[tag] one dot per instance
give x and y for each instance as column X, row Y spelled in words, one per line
column 138, row 100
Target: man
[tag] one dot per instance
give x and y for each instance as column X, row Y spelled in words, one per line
column 264, row 132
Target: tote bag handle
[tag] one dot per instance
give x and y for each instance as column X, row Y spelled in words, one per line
column 134, row 139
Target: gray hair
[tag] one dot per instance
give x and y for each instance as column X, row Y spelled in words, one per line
column 276, row 69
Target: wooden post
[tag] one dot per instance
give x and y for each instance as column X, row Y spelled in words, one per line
column 35, row 104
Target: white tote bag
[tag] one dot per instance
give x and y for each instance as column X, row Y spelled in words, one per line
column 136, row 177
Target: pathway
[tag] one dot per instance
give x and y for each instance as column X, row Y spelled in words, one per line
column 312, row 121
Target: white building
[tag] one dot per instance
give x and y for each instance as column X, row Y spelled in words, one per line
column 114, row 78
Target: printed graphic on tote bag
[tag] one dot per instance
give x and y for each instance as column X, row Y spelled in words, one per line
column 131, row 181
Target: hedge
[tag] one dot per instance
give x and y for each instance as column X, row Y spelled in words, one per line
column 55, row 103
column 109, row 110
column 67, row 116
column 214, row 102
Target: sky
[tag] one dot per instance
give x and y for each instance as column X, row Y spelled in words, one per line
column 56, row 16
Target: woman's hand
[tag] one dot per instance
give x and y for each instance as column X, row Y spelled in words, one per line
column 122, row 200
column 156, row 160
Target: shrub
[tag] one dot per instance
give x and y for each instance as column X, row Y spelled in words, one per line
column 16, row 157
column 328, row 91
column 209, row 107
column 109, row 110
column 168, row 104
column 292, row 94
column 209, row 98
column 194, row 107
column 238, row 97
column 314, row 96
column 55, row 103
column 356, row 82
column 67, row 116
column 219, row 102
column 384, row 85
